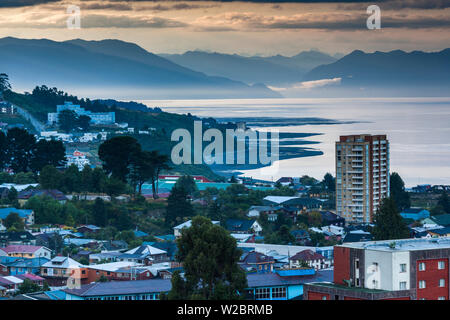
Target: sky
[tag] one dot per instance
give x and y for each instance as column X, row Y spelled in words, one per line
column 259, row 27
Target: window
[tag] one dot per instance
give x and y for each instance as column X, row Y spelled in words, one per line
column 441, row 298
column 441, row 283
column 403, row 267
column 422, row 284
column 262, row 293
column 279, row 292
column 441, row 265
column 422, row 266
column 324, row 297
column 402, row 285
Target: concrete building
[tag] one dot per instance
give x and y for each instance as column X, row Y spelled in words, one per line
column 362, row 176
column 410, row 269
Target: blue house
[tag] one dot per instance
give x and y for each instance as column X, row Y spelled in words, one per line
column 17, row 265
column 415, row 213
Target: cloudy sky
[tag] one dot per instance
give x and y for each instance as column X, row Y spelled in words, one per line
column 261, row 27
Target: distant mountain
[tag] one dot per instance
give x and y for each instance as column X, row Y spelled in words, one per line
column 275, row 70
column 112, row 68
column 428, row 72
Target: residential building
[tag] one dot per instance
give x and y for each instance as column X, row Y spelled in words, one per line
column 25, row 195
column 64, row 271
column 243, row 226
column 256, row 262
column 96, row 117
column 409, row 269
column 16, row 238
column 177, row 229
column 312, row 259
column 26, row 215
column 261, row 286
column 77, row 158
column 362, row 176
column 26, row 251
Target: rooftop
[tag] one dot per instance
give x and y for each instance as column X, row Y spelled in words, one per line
column 402, row 244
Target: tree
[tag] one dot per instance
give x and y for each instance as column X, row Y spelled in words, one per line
column 28, row 286
column 178, row 206
column 50, row 178
column 99, row 212
column 3, row 150
column 188, row 184
column 160, row 162
column 12, row 195
column 209, row 256
column 50, row 152
column 114, row 187
column 117, row 154
column 14, row 221
column 86, row 184
column 67, row 120
column 4, row 83
column 142, row 169
column 21, row 147
column 329, row 182
column 444, row 202
column 84, row 122
column 71, row 179
column 389, row 223
column 398, row 193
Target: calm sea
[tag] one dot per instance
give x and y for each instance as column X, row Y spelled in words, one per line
column 418, row 130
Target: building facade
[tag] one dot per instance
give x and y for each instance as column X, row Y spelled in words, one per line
column 362, row 176
column 96, row 117
column 410, row 269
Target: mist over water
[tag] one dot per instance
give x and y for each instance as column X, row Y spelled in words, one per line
column 418, row 130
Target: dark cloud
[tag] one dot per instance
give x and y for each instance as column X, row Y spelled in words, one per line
column 23, row 3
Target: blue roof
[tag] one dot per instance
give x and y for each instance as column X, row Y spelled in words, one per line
column 23, row 213
column 166, row 237
column 56, row 295
column 239, row 225
column 139, row 233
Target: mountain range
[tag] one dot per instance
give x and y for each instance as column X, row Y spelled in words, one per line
column 124, row 70
column 275, row 70
column 102, row 68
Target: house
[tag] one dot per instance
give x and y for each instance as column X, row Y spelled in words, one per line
column 313, row 259
column 16, row 266
column 243, row 226
column 244, row 237
column 16, row 238
column 441, row 219
column 88, row 228
column 113, row 245
column 32, row 277
column 177, row 229
column 256, row 211
column 140, row 234
column 357, row 236
column 330, row 218
column 144, row 254
column 26, row 215
column 300, row 235
column 256, row 262
column 4, row 193
column 26, row 251
column 415, row 213
column 25, row 195
column 64, row 271
column 440, row 232
column 116, row 271
column 304, row 204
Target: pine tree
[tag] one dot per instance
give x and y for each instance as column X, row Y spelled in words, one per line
column 389, row 224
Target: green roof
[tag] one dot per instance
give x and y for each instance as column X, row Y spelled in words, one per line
column 442, row 219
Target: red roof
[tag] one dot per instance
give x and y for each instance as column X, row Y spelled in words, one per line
column 21, row 248
column 30, row 276
column 307, row 255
